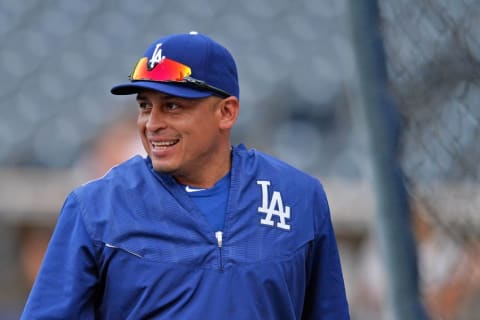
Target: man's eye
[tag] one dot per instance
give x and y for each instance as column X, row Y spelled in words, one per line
column 143, row 105
column 172, row 106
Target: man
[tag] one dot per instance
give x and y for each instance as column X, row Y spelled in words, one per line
column 198, row 229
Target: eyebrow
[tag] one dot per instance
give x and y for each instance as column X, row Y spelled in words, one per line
column 140, row 97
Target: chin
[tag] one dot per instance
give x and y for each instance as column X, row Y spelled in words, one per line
column 162, row 168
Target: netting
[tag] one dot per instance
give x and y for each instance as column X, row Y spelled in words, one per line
column 433, row 50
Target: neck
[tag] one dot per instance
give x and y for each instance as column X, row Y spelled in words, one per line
column 207, row 176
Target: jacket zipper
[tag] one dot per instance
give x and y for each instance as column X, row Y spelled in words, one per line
column 219, row 236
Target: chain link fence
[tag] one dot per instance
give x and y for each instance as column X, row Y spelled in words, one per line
column 433, row 53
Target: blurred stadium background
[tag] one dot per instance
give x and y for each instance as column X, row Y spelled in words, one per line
column 59, row 125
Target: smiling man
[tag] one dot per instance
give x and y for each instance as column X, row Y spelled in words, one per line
column 199, row 229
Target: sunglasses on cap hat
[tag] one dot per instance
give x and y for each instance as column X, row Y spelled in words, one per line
column 171, row 71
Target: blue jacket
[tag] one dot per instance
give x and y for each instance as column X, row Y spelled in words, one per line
column 132, row 245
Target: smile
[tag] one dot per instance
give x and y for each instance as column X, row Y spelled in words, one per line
column 159, row 145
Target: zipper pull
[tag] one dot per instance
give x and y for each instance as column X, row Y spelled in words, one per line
column 219, row 236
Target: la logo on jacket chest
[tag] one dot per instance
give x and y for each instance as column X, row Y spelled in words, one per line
column 273, row 207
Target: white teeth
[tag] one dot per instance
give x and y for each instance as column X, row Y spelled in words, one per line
column 163, row 144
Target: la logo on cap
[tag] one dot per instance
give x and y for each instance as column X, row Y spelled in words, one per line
column 156, row 57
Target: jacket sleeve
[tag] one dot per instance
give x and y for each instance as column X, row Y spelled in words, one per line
column 66, row 282
column 325, row 298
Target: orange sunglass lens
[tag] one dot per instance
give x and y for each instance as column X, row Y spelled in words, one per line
column 165, row 70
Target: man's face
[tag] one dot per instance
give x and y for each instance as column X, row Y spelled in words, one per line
column 181, row 136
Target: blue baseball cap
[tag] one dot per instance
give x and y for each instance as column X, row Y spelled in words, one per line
column 188, row 65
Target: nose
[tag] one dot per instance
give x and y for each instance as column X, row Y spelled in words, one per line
column 155, row 120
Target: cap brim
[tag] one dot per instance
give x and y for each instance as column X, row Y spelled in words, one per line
column 167, row 88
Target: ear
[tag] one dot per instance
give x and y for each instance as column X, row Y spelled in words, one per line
column 228, row 111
